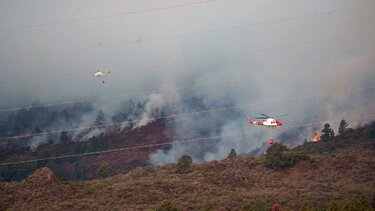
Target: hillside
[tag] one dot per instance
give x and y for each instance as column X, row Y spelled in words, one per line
column 218, row 185
column 85, row 167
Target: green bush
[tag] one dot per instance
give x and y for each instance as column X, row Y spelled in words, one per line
column 360, row 203
column 184, row 165
column 207, row 206
column 356, row 204
column 102, row 171
column 278, row 156
column 251, row 206
column 166, row 206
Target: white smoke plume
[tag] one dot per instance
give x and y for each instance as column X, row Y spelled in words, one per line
column 294, row 73
column 152, row 109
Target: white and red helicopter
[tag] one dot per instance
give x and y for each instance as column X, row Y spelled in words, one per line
column 268, row 122
column 99, row 74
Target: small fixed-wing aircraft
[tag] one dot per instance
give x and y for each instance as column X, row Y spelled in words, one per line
column 99, row 74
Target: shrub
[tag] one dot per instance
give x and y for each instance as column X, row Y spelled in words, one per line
column 360, row 203
column 278, row 156
column 102, row 171
column 334, row 206
column 356, row 204
column 275, row 157
column 184, row 164
column 207, row 206
column 166, row 206
column 251, row 206
column 295, row 157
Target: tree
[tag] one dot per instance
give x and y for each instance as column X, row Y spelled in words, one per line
column 102, row 171
column 232, row 154
column 100, row 118
column 184, row 164
column 343, row 129
column 64, row 137
column 37, row 130
column 327, row 133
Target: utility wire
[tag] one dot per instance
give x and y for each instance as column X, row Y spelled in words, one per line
column 152, row 39
column 174, row 116
column 256, row 51
column 106, row 16
column 195, row 34
column 165, row 143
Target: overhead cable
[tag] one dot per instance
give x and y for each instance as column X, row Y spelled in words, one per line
column 152, row 39
column 165, row 143
column 174, row 116
column 107, row 16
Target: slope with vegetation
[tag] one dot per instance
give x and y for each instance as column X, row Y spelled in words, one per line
column 85, row 167
column 336, row 173
column 341, row 179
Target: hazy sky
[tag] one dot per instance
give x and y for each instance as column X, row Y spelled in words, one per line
column 130, row 64
column 31, row 50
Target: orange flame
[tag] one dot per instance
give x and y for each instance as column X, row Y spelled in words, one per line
column 315, row 137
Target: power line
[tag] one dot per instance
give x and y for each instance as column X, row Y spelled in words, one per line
column 187, row 113
column 46, row 80
column 205, row 32
column 163, row 144
column 107, row 16
column 184, row 61
column 175, row 36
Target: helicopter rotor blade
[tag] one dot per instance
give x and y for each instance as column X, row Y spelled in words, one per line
column 282, row 115
column 265, row 115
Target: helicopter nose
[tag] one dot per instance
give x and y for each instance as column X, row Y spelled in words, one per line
column 279, row 123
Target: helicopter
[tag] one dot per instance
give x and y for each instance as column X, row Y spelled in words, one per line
column 268, row 122
column 99, row 74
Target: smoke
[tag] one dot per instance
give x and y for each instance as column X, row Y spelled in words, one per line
column 153, row 108
column 36, row 141
column 310, row 83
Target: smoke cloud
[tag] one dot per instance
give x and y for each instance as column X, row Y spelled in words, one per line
column 310, row 83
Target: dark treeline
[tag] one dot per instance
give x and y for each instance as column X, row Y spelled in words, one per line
column 37, row 119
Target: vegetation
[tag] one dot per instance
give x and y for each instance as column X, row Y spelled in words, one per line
column 102, row 171
column 327, row 133
column 64, row 138
column 208, row 206
column 166, row 206
column 184, row 164
column 251, row 206
column 278, row 156
column 359, row 203
column 232, row 154
column 337, row 178
column 343, row 129
column 100, row 118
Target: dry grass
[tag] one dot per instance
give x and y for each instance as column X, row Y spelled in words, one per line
column 220, row 185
